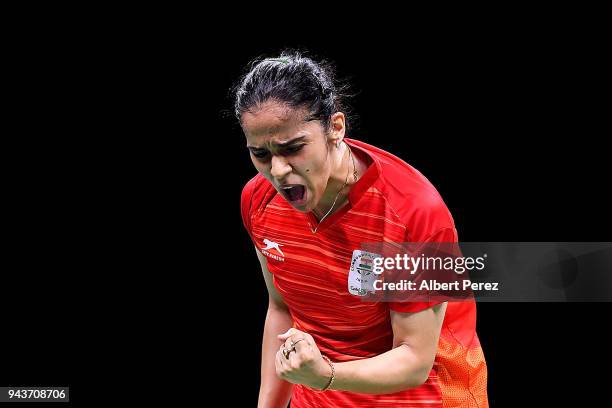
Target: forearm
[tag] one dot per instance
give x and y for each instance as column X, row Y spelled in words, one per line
column 396, row 370
column 273, row 392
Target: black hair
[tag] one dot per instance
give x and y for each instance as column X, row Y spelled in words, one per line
column 295, row 80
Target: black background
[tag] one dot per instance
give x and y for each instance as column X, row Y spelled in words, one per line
column 507, row 129
column 128, row 248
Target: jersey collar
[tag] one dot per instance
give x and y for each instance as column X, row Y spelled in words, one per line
column 357, row 191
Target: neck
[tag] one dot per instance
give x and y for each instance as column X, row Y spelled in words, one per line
column 338, row 185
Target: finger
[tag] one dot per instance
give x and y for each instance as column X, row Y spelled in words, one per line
column 300, row 343
column 285, row 353
column 298, row 356
column 296, row 344
column 288, row 343
column 287, row 356
column 283, row 347
column 310, row 339
column 294, row 362
column 283, row 336
column 288, row 333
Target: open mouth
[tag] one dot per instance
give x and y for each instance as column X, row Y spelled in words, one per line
column 295, row 194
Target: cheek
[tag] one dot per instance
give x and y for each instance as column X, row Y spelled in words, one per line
column 317, row 168
column 315, row 172
column 258, row 164
column 313, row 165
column 307, row 169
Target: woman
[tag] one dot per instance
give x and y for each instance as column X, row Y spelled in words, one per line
column 318, row 196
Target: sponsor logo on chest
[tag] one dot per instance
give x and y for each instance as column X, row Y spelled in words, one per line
column 272, row 250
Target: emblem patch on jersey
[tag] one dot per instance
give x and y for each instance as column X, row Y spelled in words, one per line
column 361, row 276
column 275, row 247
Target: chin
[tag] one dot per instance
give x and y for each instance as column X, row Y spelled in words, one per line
column 302, row 208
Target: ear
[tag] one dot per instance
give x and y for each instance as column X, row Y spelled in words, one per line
column 337, row 129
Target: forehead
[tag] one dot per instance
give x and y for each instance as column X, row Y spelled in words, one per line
column 275, row 122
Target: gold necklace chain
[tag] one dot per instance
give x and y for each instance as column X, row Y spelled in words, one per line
column 341, row 188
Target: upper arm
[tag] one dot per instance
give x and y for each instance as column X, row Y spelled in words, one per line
column 275, row 297
column 419, row 331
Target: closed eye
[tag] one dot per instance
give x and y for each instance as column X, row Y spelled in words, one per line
column 260, row 154
column 293, row 149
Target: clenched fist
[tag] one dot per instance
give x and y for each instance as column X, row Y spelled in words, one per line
column 299, row 360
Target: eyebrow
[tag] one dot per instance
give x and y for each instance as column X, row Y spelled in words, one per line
column 280, row 144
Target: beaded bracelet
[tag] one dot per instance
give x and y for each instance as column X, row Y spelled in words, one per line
column 333, row 374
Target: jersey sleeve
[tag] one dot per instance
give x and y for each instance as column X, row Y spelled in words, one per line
column 445, row 234
column 255, row 196
column 246, row 204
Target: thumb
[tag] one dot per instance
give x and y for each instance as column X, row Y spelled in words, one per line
column 285, row 335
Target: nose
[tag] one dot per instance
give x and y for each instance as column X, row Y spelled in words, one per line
column 280, row 168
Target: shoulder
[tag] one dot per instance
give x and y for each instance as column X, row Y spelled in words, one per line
column 415, row 201
column 255, row 194
column 253, row 185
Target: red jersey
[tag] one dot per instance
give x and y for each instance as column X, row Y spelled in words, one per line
column 391, row 202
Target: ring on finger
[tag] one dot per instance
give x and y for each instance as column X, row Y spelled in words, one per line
column 286, row 352
column 293, row 343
